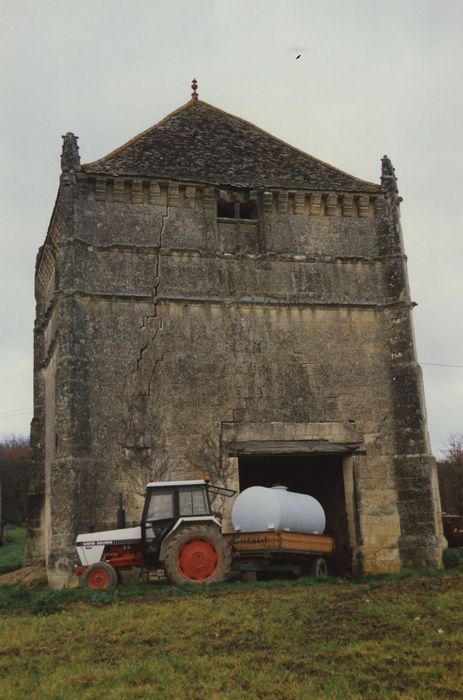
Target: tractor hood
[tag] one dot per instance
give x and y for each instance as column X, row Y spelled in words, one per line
column 127, row 535
column 91, row 545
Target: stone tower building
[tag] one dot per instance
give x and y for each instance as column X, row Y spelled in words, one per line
column 209, row 297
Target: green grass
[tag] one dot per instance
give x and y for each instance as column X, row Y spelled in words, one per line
column 44, row 601
column 12, row 551
column 398, row 637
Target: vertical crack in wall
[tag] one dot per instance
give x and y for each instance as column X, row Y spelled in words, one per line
column 143, row 449
column 151, row 323
column 156, row 282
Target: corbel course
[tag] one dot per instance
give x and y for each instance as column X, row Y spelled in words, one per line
column 137, row 191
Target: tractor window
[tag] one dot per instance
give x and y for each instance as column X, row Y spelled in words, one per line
column 161, row 505
column 193, row 501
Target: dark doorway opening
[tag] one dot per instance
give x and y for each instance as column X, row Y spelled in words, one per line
column 320, row 476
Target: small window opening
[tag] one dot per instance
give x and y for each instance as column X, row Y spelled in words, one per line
column 248, row 210
column 225, row 210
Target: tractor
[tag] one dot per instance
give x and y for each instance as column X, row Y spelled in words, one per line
column 275, row 531
column 178, row 532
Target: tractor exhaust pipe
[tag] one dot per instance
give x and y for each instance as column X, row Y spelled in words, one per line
column 121, row 514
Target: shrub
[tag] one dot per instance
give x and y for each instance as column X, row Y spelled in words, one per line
column 451, row 558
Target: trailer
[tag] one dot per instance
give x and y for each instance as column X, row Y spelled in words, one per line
column 294, row 552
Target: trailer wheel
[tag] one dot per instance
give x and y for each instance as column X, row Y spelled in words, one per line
column 99, row 576
column 197, row 554
column 318, row 568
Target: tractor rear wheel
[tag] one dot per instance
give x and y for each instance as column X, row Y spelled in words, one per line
column 99, row 576
column 197, row 554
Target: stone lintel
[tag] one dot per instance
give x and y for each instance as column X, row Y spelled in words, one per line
column 293, row 447
column 336, row 432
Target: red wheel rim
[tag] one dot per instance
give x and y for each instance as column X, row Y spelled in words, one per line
column 198, row 560
column 99, row 578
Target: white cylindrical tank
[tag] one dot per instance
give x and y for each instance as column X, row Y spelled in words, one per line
column 258, row 509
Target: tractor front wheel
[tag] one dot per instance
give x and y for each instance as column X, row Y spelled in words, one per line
column 197, row 554
column 99, row 576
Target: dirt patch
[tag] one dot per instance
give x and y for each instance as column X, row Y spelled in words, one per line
column 29, row 576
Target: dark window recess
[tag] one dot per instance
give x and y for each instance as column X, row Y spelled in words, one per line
column 248, row 210
column 236, row 210
column 225, row 210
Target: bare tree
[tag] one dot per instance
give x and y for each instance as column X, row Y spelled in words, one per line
column 210, row 459
column 450, row 473
column 143, row 466
column 15, row 465
column 453, row 450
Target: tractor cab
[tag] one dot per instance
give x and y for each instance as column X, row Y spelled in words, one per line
column 166, row 502
column 167, row 505
column 170, row 505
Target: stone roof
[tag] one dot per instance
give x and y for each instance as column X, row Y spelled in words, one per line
column 200, row 143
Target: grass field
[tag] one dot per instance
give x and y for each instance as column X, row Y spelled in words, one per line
column 400, row 637
column 11, row 552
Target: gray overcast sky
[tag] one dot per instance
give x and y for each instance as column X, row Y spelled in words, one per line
column 374, row 77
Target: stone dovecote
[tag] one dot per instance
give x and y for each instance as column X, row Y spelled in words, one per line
column 210, row 297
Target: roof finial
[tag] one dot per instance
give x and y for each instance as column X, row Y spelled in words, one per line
column 388, row 176
column 194, row 87
column 70, row 160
